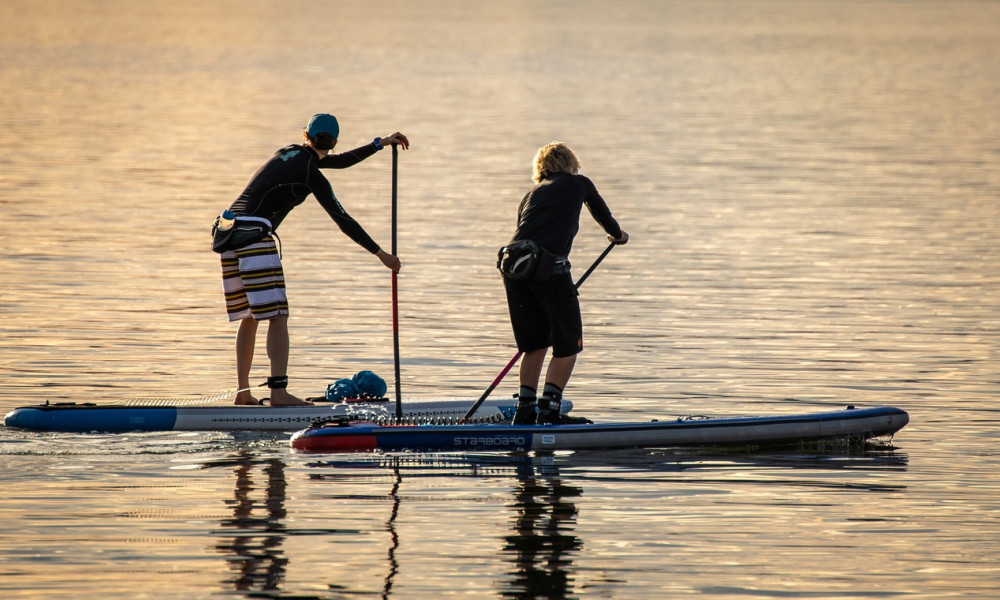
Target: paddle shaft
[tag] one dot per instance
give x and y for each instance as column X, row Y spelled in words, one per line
column 517, row 356
column 395, row 294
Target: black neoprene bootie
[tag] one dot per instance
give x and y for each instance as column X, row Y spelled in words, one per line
column 525, row 413
column 549, row 405
column 548, row 410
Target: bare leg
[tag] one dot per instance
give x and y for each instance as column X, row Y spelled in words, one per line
column 531, row 367
column 560, row 369
column 246, row 338
column 277, row 353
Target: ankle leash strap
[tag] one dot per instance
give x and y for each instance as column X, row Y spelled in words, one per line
column 277, row 383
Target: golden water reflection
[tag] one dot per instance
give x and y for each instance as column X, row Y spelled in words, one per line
column 811, row 189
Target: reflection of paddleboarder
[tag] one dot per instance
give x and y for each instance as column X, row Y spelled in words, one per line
column 254, row 552
column 542, row 541
column 390, row 526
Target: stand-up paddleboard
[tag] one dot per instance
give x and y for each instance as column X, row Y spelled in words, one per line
column 346, row 435
column 119, row 418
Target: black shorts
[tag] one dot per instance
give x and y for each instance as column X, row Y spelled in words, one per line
column 546, row 314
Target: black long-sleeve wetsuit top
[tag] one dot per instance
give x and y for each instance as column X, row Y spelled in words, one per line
column 292, row 174
column 549, row 214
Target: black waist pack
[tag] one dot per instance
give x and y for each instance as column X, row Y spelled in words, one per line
column 245, row 231
column 525, row 260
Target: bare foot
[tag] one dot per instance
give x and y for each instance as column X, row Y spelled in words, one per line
column 245, row 399
column 282, row 398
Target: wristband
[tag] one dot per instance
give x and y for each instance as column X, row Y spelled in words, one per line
column 378, row 143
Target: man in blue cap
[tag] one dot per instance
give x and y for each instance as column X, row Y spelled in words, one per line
column 252, row 276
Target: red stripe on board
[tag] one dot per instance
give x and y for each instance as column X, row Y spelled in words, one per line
column 335, row 443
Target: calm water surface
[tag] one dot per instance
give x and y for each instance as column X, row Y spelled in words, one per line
column 813, row 191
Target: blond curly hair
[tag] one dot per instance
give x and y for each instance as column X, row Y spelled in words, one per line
column 552, row 158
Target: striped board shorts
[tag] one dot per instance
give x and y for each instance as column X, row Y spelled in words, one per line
column 254, row 282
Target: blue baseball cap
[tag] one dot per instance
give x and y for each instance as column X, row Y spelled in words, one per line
column 323, row 123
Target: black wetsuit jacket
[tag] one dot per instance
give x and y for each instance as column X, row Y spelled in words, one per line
column 549, row 214
column 292, row 174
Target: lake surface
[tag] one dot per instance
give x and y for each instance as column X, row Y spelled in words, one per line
column 813, row 194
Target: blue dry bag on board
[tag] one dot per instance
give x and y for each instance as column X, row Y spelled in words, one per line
column 364, row 385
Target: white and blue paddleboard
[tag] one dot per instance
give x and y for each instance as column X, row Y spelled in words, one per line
column 345, row 435
column 120, row 418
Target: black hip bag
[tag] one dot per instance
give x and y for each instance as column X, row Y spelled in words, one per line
column 244, row 231
column 525, row 260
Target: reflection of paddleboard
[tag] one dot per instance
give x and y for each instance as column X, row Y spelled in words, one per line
column 117, row 418
column 354, row 436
